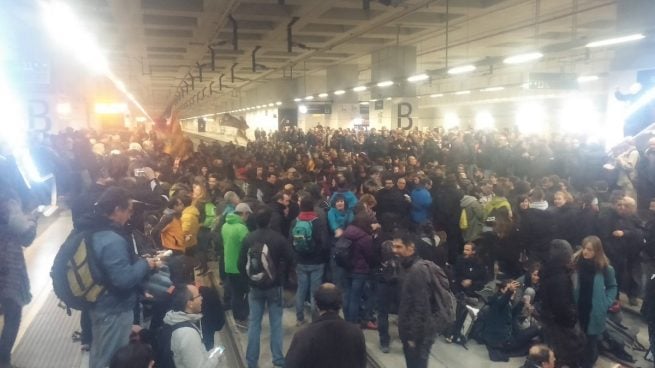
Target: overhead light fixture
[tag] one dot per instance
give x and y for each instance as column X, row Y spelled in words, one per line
column 64, row 108
column 297, row 99
column 461, row 69
column 616, row 40
column 339, row 92
column 271, row 105
column 359, row 89
column 523, row 58
column 492, row 89
column 451, row 120
column 302, row 109
column 309, row 98
column 385, row 84
column 418, row 78
column 459, row 93
column 587, row 78
column 278, row 103
column 364, row 103
column 435, row 95
column 484, row 120
column 525, row 85
column 388, row 98
column 323, row 95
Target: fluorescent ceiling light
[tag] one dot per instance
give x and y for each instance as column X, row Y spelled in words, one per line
column 435, row 95
column 587, row 78
column 359, row 89
column 302, row 109
column 323, row 95
column 297, row 99
column 461, row 69
column 616, row 40
column 492, row 89
column 271, row 105
column 388, row 98
column 385, row 84
column 339, row 92
column 463, row 93
column 278, row 103
column 309, row 98
column 418, row 78
column 523, row 58
column 363, row 103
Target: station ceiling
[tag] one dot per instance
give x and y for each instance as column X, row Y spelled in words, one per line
column 157, row 46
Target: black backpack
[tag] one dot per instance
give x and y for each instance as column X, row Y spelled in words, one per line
column 162, row 344
column 77, row 279
column 343, row 250
column 442, row 300
column 260, row 267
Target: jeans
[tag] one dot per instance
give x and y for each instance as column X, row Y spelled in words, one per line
column 419, row 355
column 387, row 296
column 590, row 352
column 340, row 279
column 309, row 279
column 357, row 284
column 12, row 317
column 111, row 331
column 85, row 328
column 258, row 299
column 238, row 286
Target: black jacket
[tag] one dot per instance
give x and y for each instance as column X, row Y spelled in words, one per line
column 566, row 223
column 328, row 342
column 279, row 221
column 536, row 230
column 280, row 252
column 469, row 269
column 415, row 321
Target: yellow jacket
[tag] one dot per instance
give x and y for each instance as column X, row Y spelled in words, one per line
column 172, row 236
column 191, row 224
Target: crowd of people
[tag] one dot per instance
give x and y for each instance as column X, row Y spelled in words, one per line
column 536, row 238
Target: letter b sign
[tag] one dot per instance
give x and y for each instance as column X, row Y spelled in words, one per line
column 405, row 111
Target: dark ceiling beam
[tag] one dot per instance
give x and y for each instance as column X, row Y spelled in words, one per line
column 235, row 33
column 290, row 33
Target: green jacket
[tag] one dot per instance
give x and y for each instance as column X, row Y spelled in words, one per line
column 209, row 216
column 603, row 296
column 233, row 233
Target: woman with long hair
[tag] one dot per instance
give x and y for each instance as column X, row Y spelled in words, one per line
column 594, row 287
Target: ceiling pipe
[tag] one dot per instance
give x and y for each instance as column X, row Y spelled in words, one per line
column 199, row 72
column 213, row 54
column 290, row 34
column 254, row 63
column 232, row 71
column 235, row 33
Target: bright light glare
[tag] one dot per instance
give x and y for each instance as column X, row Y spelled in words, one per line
column 642, row 101
column 616, row 40
column 64, row 109
column 578, row 116
column 364, row 103
column 462, row 69
column 309, row 98
column 451, row 120
column 323, row 95
column 484, row 120
column 302, row 109
column 297, row 99
column 359, row 89
column 385, row 84
column 278, row 103
column 141, row 119
column 523, row 58
column 492, row 89
column 339, row 92
column 435, row 95
column 459, row 93
column 530, row 118
column 418, row 78
column 587, row 78
column 110, row 109
column 358, row 121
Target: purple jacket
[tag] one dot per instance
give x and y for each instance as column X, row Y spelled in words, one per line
column 362, row 249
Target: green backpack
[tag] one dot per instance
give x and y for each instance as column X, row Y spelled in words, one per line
column 301, row 236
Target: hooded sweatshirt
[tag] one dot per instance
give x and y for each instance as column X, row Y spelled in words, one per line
column 362, row 249
column 171, row 233
column 186, row 342
column 233, row 233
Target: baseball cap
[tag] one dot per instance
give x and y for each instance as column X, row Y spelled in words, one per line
column 242, row 208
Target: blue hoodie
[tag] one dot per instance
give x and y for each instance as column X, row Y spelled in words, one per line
column 421, row 202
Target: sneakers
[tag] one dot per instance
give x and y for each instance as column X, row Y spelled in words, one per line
column 385, row 349
column 370, row 325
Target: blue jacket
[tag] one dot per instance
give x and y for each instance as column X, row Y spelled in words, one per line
column 122, row 268
column 603, row 296
column 338, row 219
column 351, row 198
column 421, row 202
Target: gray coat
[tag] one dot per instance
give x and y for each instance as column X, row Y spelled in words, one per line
column 18, row 232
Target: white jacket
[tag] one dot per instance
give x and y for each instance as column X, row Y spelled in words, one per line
column 186, row 342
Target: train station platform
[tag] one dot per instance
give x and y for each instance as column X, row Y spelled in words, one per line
column 44, row 340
